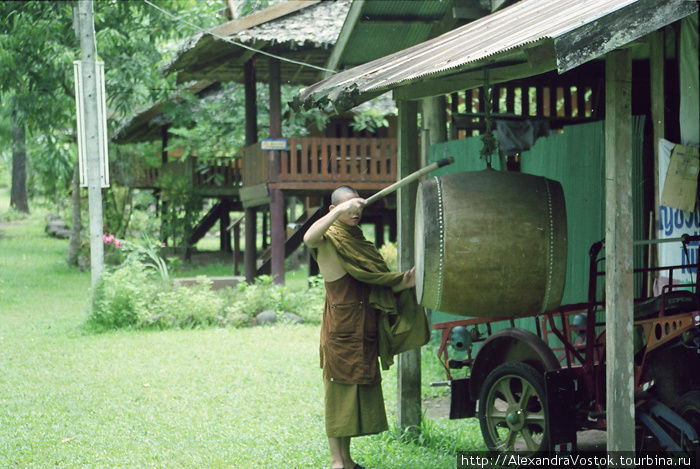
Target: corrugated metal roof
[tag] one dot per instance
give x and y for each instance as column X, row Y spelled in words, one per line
column 491, row 38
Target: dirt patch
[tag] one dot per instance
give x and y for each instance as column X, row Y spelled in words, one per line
column 436, row 407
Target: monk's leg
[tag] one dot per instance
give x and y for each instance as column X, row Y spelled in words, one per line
column 336, row 446
column 345, row 452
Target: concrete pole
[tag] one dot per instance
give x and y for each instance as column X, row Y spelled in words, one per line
column 86, row 28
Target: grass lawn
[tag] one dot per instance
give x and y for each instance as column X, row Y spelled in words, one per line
column 241, row 398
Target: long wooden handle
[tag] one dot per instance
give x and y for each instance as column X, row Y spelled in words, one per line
column 410, row 178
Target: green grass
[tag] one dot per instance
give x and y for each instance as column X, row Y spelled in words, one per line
column 241, row 398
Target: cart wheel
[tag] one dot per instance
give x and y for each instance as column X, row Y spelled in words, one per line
column 689, row 408
column 512, row 409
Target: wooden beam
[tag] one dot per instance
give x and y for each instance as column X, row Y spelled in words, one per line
column 277, row 228
column 344, row 36
column 656, row 72
column 409, row 395
column 268, row 14
column 618, row 252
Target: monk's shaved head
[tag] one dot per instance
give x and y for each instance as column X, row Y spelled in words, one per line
column 342, row 194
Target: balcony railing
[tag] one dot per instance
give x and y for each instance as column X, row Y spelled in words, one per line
column 217, row 174
column 310, row 161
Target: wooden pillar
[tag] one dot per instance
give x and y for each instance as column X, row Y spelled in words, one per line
column 409, row 397
column 435, row 121
column 236, row 248
column 454, row 108
column 265, row 228
column 618, row 252
column 224, row 222
column 277, row 226
column 251, row 136
column 656, row 72
column 163, row 204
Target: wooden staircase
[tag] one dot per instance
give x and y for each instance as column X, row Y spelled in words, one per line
column 295, row 236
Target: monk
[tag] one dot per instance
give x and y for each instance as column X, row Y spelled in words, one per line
column 356, row 277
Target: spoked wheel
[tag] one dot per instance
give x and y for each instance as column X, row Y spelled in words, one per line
column 512, row 409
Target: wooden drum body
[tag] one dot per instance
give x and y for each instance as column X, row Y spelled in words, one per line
column 490, row 243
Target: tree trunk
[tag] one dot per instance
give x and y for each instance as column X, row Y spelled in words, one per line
column 18, row 194
column 74, row 243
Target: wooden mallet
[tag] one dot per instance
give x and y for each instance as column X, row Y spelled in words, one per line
column 410, row 178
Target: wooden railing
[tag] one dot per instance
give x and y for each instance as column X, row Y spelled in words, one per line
column 216, row 174
column 338, row 159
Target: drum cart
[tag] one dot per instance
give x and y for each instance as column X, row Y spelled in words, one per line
column 534, row 391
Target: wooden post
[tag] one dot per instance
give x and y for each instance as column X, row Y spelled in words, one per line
column 277, row 227
column 454, row 109
column 236, row 248
column 656, row 66
column 409, row 397
column 224, row 222
column 251, row 136
column 618, row 252
column 88, row 51
column 435, row 121
column 264, row 228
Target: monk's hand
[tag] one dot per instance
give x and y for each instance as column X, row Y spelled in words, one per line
column 409, row 277
column 407, row 281
column 351, row 206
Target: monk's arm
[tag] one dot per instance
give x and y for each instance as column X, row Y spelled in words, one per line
column 313, row 237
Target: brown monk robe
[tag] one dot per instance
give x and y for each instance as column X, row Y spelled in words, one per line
column 357, row 306
column 354, row 402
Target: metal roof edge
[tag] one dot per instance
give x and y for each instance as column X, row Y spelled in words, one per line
column 616, row 29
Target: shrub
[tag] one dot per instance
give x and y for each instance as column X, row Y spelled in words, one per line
column 134, row 295
column 390, row 255
column 122, row 296
column 185, row 307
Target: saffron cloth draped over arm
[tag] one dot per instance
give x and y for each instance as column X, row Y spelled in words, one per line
column 402, row 322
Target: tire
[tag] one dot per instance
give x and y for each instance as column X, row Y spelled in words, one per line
column 689, row 408
column 507, row 422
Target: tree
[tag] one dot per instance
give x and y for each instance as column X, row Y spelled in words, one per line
column 37, row 48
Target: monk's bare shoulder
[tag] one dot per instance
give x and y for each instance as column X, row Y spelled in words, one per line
column 328, row 262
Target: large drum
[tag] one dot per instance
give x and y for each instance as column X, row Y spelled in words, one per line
column 490, row 243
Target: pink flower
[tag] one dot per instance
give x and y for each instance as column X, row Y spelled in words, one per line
column 107, row 239
column 117, row 243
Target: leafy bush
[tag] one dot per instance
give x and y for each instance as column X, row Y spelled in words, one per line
column 184, row 207
column 251, row 299
column 122, row 296
column 140, row 294
column 390, row 255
